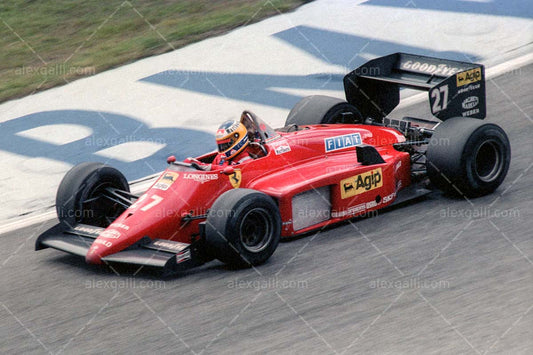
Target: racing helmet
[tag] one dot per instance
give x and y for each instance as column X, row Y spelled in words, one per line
column 232, row 138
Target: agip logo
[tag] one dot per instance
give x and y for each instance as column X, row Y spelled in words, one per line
column 469, row 76
column 364, row 182
column 166, row 180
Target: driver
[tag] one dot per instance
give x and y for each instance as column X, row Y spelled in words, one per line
column 237, row 142
column 233, row 143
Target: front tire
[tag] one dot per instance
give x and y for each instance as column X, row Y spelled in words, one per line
column 80, row 196
column 243, row 228
column 468, row 157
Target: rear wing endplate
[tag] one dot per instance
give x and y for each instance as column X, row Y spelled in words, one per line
column 455, row 88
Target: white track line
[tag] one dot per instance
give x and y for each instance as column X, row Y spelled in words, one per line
column 141, row 185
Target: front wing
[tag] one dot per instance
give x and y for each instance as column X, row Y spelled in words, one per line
column 166, row 256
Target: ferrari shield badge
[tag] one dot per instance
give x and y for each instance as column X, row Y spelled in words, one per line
column 235, row 179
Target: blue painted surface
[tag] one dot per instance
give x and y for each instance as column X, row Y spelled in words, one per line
column 108, row 130
column 329, row 46
column 513, row 8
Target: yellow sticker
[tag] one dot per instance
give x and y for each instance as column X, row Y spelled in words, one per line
column 364, row 182
column 468, row 77
column 235, row 179
column 166, row 180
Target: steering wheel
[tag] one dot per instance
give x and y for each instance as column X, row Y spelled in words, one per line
column 292, row 126
column 261, row 147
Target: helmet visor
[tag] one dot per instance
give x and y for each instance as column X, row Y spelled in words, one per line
column 225, row 144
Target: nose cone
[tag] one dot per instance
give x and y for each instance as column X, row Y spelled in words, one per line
column 93, row 256
column 108, row 242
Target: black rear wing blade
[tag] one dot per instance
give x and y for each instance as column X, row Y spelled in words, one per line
column 455, row 88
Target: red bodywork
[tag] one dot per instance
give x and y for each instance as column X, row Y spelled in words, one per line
column 313, row 174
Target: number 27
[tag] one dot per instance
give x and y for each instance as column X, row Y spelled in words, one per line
column 436, row 95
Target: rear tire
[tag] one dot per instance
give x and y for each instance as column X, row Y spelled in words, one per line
column 468, row 157
column 243, row 228
column 88, row 181
column 319, row 109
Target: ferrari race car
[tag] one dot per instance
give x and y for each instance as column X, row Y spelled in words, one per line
column 333, row 160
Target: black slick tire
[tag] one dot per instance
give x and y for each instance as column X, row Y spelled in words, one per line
column 468, row 157
column 85, row 182
column 243, row 228
column 319, row 109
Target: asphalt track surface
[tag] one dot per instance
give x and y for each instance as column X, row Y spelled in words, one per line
column 441, row 275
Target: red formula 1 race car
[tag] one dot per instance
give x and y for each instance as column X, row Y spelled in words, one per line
column 332, row 161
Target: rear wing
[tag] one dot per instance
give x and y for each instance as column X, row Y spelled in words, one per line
column 455, row 88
